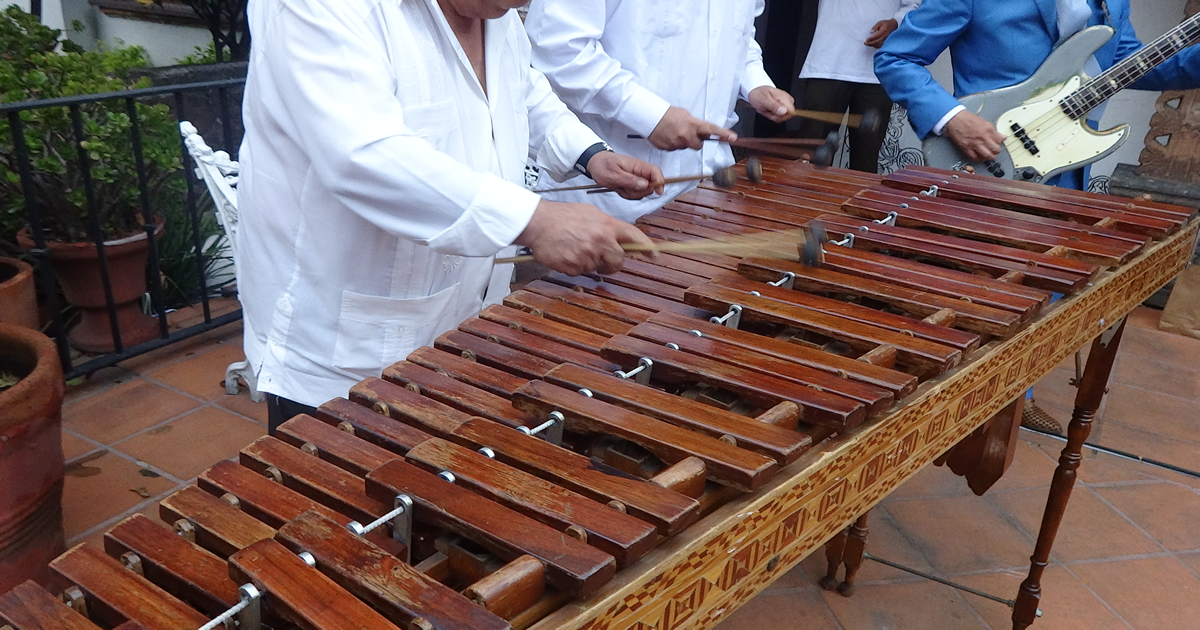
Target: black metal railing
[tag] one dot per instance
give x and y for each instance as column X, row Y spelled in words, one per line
column 179, row 99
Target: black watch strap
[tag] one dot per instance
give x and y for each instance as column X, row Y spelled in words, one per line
column 587, row 155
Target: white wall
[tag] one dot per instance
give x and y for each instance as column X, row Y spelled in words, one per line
column 164, row 43
column 1151, row 18
column 52, row 14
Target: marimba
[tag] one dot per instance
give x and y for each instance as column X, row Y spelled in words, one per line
column 651, row 448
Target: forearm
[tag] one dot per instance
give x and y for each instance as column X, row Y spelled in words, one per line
column 566, row 47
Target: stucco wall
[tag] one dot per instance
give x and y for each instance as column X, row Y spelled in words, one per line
column 164, row 43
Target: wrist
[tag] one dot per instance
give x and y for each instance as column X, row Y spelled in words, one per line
column 585, row 158
column 940, row 126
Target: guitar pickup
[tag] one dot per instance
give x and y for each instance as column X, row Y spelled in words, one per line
column 1026, row 141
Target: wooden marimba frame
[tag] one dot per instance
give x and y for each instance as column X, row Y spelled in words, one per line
column 808, row 397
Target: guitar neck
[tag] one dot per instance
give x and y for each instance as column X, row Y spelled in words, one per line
column 1101, row 88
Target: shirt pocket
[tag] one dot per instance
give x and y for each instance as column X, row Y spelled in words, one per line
column 665, row 19
column 374, row 332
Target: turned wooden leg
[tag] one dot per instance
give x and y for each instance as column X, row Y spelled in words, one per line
column 1087, row 402
column 856, row 546
column 833, row 557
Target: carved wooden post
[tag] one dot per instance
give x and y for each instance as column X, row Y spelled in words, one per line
column 1087, row 402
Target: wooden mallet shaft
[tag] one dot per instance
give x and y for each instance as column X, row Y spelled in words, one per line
column 765, row 244
column 830, row 117
column 869, row 121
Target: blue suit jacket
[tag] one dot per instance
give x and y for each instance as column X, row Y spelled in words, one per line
column 995, row 44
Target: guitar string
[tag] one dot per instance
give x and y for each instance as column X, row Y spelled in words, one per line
column 1179, row 37
column 1125, row 71
column 1123, row 68
column 1149, row 52
column 1155, row 50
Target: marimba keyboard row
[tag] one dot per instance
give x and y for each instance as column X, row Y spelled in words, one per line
column 550, row 443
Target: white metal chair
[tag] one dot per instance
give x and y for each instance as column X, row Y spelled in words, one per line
column 220, row 175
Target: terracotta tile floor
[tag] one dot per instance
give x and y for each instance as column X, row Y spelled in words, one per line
column 1127, row 556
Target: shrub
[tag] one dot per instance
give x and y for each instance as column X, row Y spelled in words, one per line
column 36, row 64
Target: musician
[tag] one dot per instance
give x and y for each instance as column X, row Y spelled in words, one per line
column 382, row 169
column 839, row 69
column 670, row 72
column 998, row 44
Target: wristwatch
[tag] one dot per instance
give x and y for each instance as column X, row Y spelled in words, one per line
column 587, row 155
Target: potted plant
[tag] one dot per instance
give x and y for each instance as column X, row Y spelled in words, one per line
column 31, row 456
column 37, row 63
column 18, row 299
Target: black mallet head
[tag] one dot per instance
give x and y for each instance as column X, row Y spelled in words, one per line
column 725, row 178
column 823, row 156
column 812, row 253
column 754, row 170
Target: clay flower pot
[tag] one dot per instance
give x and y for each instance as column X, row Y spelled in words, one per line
column 18, row 299
column 77, row 267
column 31, row 457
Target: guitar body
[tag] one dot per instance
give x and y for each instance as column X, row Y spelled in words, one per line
column 1056, row 143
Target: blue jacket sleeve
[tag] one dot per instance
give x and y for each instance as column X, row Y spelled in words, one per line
column 901, row 64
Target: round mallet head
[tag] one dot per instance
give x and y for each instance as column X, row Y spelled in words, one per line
column 754, row 170
column 871, row 121
column 817, row 229
column 813, row 251
column 725, row 178
column 823, row 156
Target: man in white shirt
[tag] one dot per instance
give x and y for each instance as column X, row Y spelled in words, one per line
column 669, row 72
column 385, row 148
column 840, row 74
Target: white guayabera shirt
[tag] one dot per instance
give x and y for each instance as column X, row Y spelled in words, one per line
column 377, row 182
column 837, row 51
column 620, row 64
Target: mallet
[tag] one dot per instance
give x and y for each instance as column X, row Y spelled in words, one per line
column 802, row 245
column 805, row 245
column 724, row 178
column 822, row 156
column 869, row 121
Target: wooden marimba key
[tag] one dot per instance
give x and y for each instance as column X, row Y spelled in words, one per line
column 557, row 440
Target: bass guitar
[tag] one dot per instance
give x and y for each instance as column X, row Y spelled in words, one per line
column 1044, row 118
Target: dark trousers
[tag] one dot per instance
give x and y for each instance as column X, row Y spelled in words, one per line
column 280, row 410
column 828, row 95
